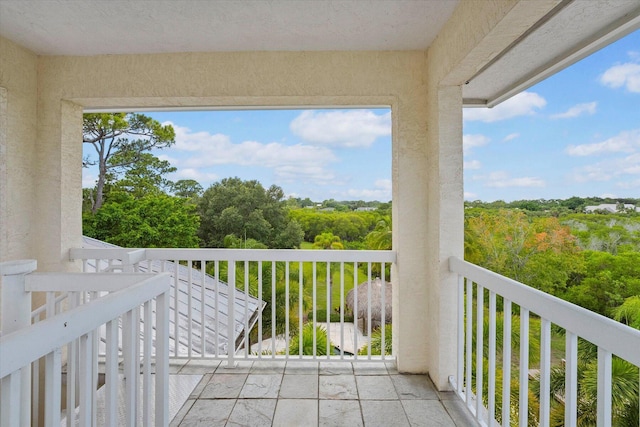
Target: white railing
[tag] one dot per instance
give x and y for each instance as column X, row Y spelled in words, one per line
column 67, row 342
column 610, row 337
column 276, row 293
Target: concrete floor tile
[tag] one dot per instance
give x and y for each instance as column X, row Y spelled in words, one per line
column 369, row 368
column 383, row 413
column 376, row 387
column 427, row 413
column 338, row 387
column 258, row 386
column 268, row 367
column 252, row 413
column 336, row 368
column 302, row 367
column 240, row 367
column 206, row 412
column 181, row 413
column 459, row 413
column 299, row 387
column 224, row 386
column 200, row 366
column 414, row 386
column 296, row 413
column 339, row 413
column 195, row 393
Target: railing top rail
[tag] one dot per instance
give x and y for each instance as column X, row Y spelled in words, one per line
column 292, row 255
column 43, row 337
column 613, row 336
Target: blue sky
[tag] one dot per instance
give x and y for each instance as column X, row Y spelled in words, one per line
column 574, row 134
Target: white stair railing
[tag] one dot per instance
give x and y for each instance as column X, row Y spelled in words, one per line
column 68, row 340
column 477, row 286
column 204, row 299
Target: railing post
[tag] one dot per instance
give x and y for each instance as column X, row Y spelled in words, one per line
column 15, row 314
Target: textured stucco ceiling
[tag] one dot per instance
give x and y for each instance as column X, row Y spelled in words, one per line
column 92, row 27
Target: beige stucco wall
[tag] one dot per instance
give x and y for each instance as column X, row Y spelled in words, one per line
column 18, row 119
column 422, row 88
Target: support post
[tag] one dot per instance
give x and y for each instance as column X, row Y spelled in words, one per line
column 15, row 314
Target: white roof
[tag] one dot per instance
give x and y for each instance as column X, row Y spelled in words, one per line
column 189, row 291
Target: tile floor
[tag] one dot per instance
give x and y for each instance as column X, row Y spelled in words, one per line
column 275, row 393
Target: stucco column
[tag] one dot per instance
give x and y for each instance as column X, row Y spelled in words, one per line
column 445, row 229
column 410, row 185
column 59, row 182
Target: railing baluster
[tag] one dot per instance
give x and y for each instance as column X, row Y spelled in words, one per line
column 328, row 311
column 383, row 315
column 604, row 388
column 146, row 370
column 469, row 346
column 176, row 309
column 479, row 348
column 315, row 308
column 545, row 372
column 342, row 310
column 286, row 303
column 129, row 355
column 460, row 371
column 259, row 302
column 85, row 415
column 53, row 388
column 246, row 310
column 162, row 361
column 273, row 308
column 216, row 303
column 524, row 367
column 506, row 363
column 356, row 344
column 231, row 314
column 491, row 390
column 368, row 310
column 203, row 309
column 189, row 306
column 300, row 306
column 10, row 403
column 571, row 380
column 111, row 375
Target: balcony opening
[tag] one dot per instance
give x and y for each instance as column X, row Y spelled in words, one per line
column 254, row 179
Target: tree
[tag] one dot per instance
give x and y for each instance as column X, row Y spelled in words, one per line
column 140, row 177
column 327, row 241
column 109, row 135
column 152, row 221
column 187, row 188
column 381, row 237
column 245, row 209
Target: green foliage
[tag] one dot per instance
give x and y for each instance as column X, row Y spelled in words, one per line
column 376, row 341
column 151, row 221
column 381, row 237
column 303, row 343
column 349, row 226
column 139, row 177
column 119, row 140
column 187, row 188
column 327, row 241
column 629, row 312
column 245, row 208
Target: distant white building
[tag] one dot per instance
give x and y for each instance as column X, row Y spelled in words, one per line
column 610, row 207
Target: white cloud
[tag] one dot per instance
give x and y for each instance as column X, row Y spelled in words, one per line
column 629, row 185
column 623, row 75
column 472, row 165
column 470, row 141
column 624, row 142
column 88, row 179
column 577, row 110
column 190, row 173
column 381, row 191
column 522, row 104
column 470, row 196
column 298, row 162
column 502, row 179
column 511, row 136
column 344, row 128
column 610, row 169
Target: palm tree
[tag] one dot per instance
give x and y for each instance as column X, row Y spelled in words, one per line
column 381, row 236
column 376, row 342
column 327, row 240
column 306, row 340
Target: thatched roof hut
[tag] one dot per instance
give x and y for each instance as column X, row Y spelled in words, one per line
column 376, row 302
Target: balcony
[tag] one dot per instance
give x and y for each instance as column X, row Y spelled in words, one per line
column 96, row 324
